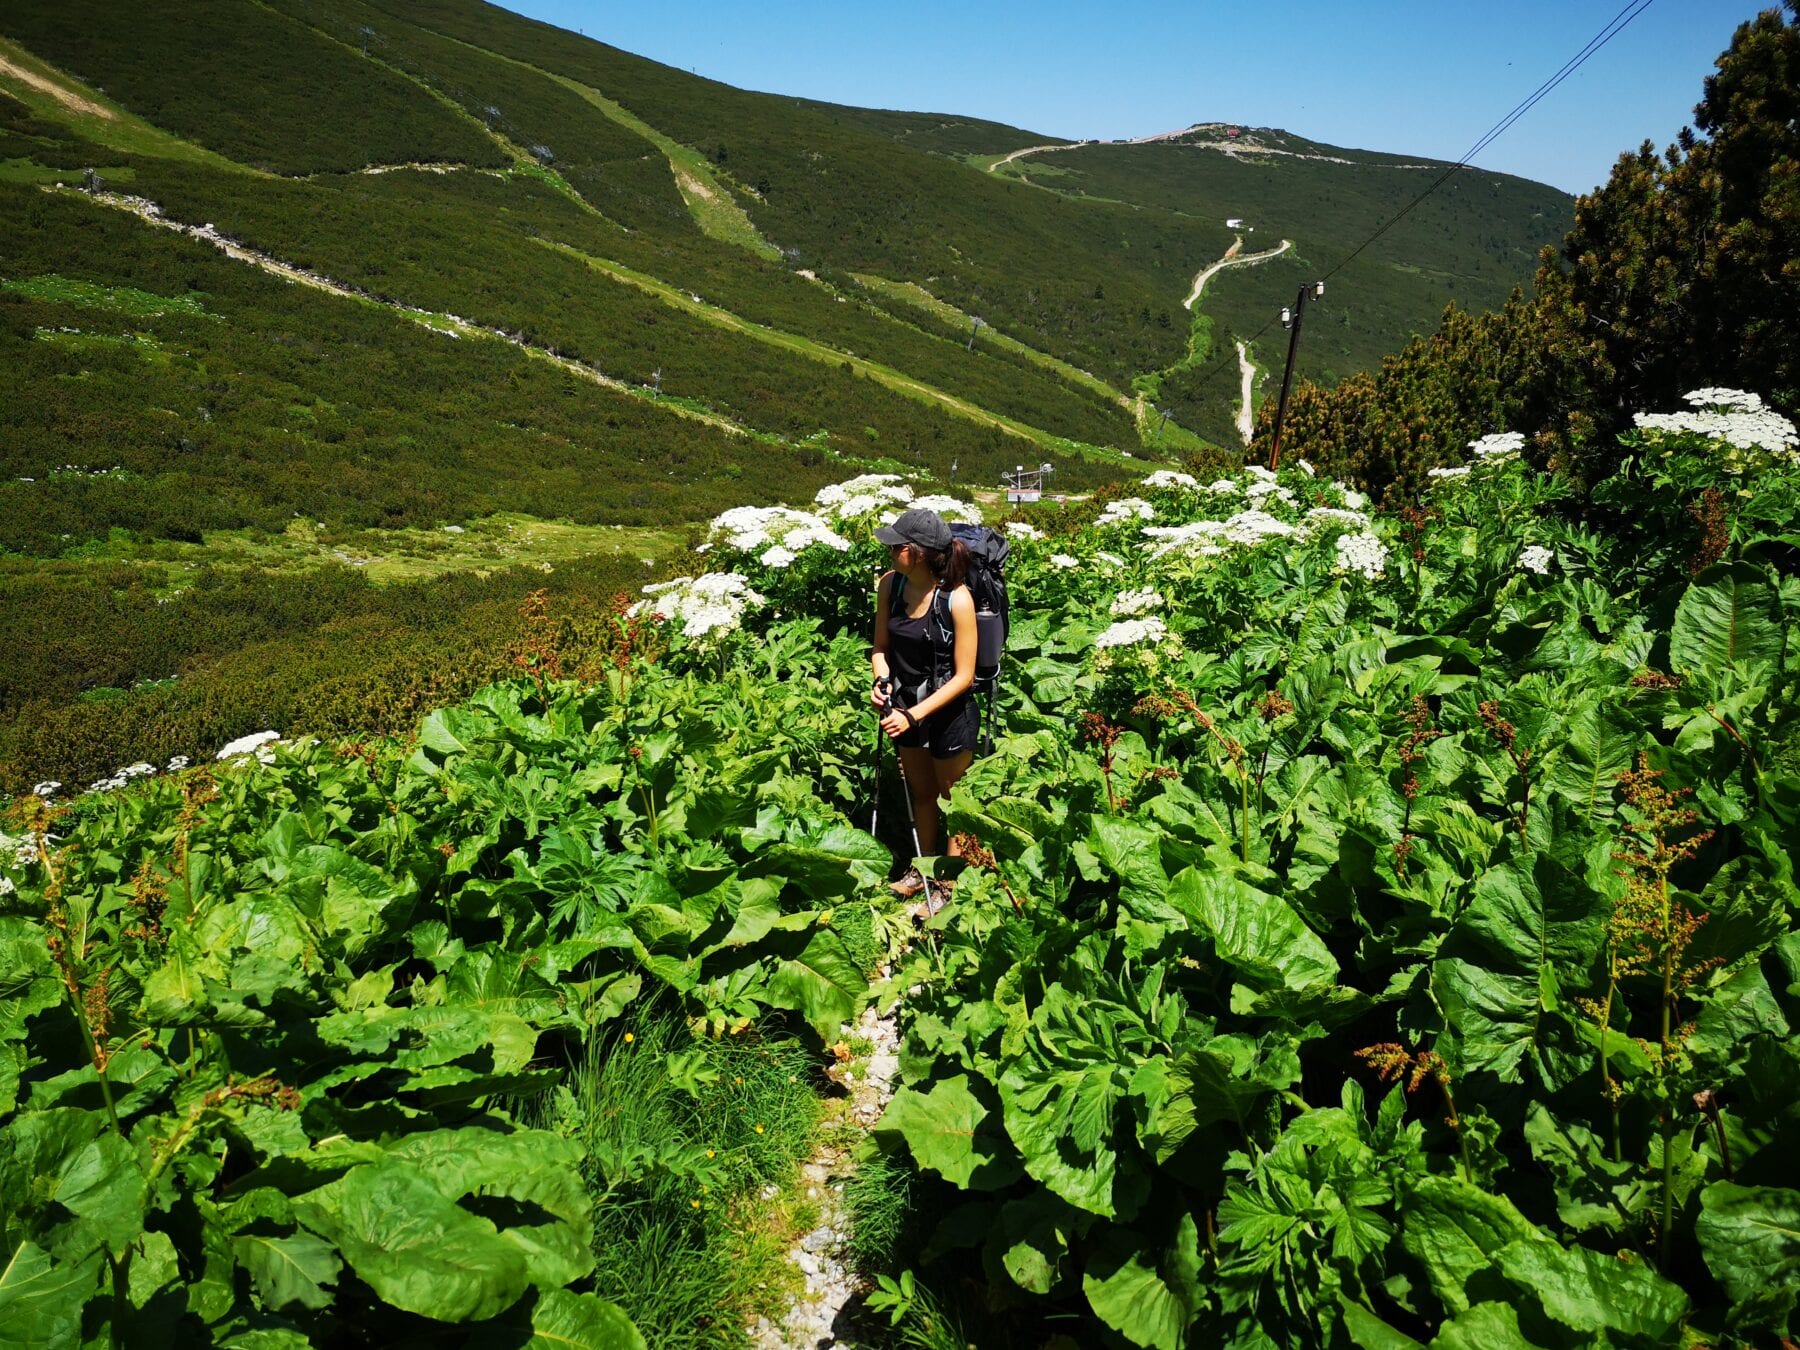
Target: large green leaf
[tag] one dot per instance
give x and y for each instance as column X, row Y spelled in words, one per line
column 820, row 981
column 1148, row 1301
column 948, row 1130
column 41, row 1300
column 1589, row 1291
column 1593, row 752
column 415, row 1249
column 1222, row 1080
column 287, row 1270
column 537, row 1169
column 1750, row 1236
column 1486, row 1326
column 1729, row 616
column 566, row 1321
column 1258, row 934
column 1453, row 1230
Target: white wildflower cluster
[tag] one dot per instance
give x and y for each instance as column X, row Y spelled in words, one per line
column 1124, row 509
column 1321, row 518
column 780, row 530
column 6, row 886
column 18, row 850
column 1730, row 415
column 862, row 495
column 120, row 777
column 1262, row 488
column 1500, row 445
column 258, row 743
column 1459, row 471
column 1353, row 499
column 1260, row 473
column 1223, row 487
column 1536, row 558
column 1305, row 468
column 1726, row 400
column 1063, row 562
column 1018, row 529
column 1136, row 602
column 1171, row 478
column 952, row 510
column 712, row 603
column 1110, row 559
column 1250, row 528
column 1362, row 554
column 46, row 789
column 1197, row 537
column 1130, row 632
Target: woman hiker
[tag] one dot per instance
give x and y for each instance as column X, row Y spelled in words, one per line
column 925, row 646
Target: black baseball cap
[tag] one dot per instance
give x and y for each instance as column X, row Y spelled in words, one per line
column 918, row 526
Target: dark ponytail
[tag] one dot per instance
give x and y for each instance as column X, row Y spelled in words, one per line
column 949, row 565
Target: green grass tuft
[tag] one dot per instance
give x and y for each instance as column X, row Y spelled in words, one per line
column 682, row 1135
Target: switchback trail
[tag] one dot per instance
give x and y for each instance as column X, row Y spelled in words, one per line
column 1232, row 259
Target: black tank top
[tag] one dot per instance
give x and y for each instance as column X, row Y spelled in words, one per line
column 912, row 655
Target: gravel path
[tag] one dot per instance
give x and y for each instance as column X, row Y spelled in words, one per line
column 821, row 1255
column 1232, row 259
column 1246, row 418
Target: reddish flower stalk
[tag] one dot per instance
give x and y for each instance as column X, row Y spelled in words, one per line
column 1504, row 732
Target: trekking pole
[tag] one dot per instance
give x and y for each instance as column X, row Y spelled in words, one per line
column 885, row 687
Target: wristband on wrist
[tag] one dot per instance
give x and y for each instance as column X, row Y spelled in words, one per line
column 911, row 721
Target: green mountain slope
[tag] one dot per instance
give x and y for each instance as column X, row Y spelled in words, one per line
column 383, row 265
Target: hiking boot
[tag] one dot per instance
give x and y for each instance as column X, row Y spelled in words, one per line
column 935, row 899
column 909, row 885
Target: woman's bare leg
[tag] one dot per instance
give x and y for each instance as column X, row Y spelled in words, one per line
column 947, row 772
column 922, row 783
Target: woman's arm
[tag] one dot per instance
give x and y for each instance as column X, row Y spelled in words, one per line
column 962, row 676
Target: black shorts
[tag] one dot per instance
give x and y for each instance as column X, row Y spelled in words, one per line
column 947, row 732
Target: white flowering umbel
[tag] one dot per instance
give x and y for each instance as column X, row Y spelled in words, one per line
column 952, row 510
column 1136, row 602
column 1063, row 562
column 1018, row 529
column 862, row 495
column 1250, row 528
column 258, row 743
column 1501, row 445
column 1130, row 632
column 1321, row 518
column 1125, row 509
column 120, row 777
column 1171, row 478
column 1460, row 471
column 1362, row 554
column 1730, row 415
column 1536, row 558
column 707, row 605
column 752, row 529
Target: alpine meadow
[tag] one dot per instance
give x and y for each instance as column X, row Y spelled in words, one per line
column 451, row 872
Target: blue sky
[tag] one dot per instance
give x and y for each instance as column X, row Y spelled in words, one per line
column 1425, row 77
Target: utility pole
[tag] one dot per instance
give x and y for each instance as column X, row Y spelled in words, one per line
column 1291, row 320
column 367, row 33
column 656, row 379
column 974, row 328
column 1165, row 422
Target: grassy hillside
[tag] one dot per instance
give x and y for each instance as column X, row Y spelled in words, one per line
column 549, row 278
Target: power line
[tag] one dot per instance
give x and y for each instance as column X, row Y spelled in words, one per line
column 1607, row 33
column 1632, row 9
